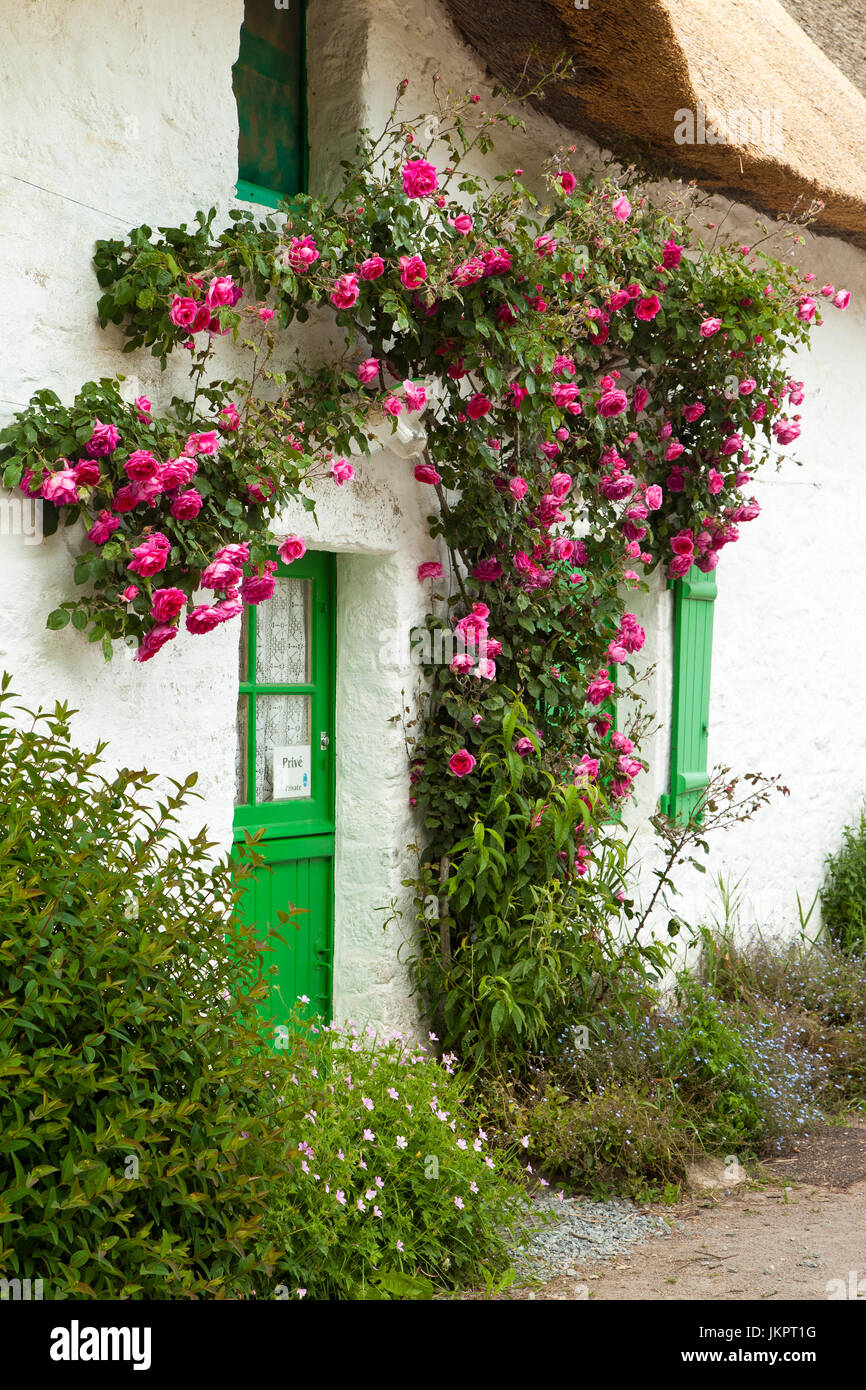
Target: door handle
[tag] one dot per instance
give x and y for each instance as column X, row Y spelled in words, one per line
column 324, row 741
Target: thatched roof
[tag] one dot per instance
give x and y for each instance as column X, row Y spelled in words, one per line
column 639, row 62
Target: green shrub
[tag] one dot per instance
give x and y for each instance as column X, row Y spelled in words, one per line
column 628, row 1136
column 133, row 1162
column 813, row 989
column 647, row 1089
column 391, row 1189
column 843, row 895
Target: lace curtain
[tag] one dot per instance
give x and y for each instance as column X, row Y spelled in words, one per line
column 282, row 657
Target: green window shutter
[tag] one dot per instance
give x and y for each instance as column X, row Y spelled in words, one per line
column 269, row 83
column 694, row 597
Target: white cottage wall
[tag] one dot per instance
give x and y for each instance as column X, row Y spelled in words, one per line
column 122, row 115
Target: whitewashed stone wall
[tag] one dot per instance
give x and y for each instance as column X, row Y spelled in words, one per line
column 120, row 113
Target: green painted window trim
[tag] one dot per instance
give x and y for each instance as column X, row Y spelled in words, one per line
column 284, row 819
column 249, row 192
column 694, row 598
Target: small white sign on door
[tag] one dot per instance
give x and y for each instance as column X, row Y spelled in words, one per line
column 290, row 771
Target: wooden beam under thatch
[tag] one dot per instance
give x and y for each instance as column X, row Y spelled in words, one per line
column 793, row 127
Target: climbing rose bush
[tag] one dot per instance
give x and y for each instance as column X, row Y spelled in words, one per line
column 592, row 391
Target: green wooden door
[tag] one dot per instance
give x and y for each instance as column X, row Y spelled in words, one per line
column 285, row 776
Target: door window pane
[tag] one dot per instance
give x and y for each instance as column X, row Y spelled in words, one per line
column 283, row 752
column 283, row 635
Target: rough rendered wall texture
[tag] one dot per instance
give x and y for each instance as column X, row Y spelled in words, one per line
column 123, row 128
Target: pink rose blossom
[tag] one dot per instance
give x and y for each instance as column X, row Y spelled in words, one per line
column 167, row 603
column 680, row 565
column 621, row 208
column 425, row 474
column 693, row 412
column 486, row 669
column 647, row 309
column 612, row 403
column 654, row 497
column 462, row 663
column 477, row 406
column 372, row 268
column 368, row 370
column 129, row 593
column 104, row 440
column 182, row 311
column 467, row 272
column 302, row 254
column 461, row 763
column 462, row 224
column 545, row 245
column 342, row 471
column 257, row 588
column 496, row 260
column 151, row 555
column 672, row 255
column 430, row 569
column 143, row 406
column 599, row 689
column 154, row 640
column 291, row 549
column 517, row 487
column 709, row 327
column 203, row 619
column 565, row 394
column 413, row 271
column 715, row 482
column 683, row 543
column 222, row 291
column 221, row 574
column 842, row 299
column 187, row 505
column 102, row 528
column 415, row 396
column 786, row 431
column 487, row 571
column 140, row 466
column 345, row 291
column 86, row 473
column 566, row 180
column 420, row 179
column 208, row 443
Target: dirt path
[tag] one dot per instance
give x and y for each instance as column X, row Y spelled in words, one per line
column 787, row 1237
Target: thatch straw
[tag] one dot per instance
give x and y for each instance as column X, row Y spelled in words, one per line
column 639, row 62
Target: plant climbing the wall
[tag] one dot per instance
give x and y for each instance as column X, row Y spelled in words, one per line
column 590, row 392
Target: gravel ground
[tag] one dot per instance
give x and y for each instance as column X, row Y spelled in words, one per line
column 583, row 1230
